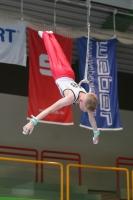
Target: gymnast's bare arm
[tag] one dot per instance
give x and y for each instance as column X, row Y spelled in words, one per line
column 65, row 101
column 92, row 121
column 94, row 126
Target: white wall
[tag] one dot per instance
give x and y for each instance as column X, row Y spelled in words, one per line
column 112, row 144
column 126, row 4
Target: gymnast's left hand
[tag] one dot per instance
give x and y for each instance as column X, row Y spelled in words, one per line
column 28, row 128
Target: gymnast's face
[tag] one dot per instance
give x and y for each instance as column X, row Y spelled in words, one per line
column 81, row 105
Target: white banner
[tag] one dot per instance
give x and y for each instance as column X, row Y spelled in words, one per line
column 13, row 43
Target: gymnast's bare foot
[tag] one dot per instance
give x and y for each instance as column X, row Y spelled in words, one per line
column 41, row 32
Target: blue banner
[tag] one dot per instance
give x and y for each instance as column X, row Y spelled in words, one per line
column 102, row 74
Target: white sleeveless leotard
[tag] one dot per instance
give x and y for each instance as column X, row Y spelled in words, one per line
column 66, row 83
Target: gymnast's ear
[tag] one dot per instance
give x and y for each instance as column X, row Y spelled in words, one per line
column 80, row 99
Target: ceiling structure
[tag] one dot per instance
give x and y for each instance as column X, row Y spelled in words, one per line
column 70, row 18
column 125, row 4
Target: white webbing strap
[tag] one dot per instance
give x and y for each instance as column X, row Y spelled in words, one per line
column 87, row 54
column 85, row 80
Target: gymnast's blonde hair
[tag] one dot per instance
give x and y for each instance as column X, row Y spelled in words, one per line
column 91, row 101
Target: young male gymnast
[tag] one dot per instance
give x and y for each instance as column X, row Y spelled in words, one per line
column 64, row 78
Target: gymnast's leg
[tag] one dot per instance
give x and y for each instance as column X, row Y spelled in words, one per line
column 59, row 65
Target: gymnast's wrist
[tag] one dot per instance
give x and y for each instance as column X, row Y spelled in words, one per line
column 34, row 120
column 96, row 133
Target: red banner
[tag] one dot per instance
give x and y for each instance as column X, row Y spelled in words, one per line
column 43, row 91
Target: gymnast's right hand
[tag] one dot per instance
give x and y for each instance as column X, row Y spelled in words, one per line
column 28, row 128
